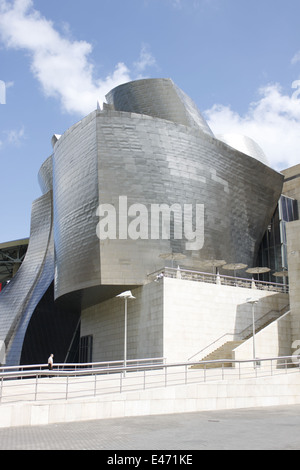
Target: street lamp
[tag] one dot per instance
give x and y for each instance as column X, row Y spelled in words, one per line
column 253, row 302
column 125, row 295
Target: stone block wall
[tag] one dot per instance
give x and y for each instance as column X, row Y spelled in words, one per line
column 105, row 321
column 293, row 240
column 174, row 319
column 197, row 314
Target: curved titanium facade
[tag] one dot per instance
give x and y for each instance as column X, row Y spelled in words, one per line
column 141, row 148
column 159, row 98
column 21, row 296
column 246, row 145
column 45, row 176
column 150, row 146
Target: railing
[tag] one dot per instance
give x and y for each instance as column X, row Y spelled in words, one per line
column 41, row 385
column 243, row 335
column 107, row 365
column 198, row 276
column 214, row 345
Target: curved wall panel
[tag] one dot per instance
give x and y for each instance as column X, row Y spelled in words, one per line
column 160, row 98
column 75, row 187
column 149, row 160
column 150, row 147
column 45, row 176
column 155, row 161
column 20, row 297
column 246, row 145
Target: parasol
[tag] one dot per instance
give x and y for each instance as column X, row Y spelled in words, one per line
column 234, row 267
column 173, row 257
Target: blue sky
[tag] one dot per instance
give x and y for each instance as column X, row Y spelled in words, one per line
column 238, row 60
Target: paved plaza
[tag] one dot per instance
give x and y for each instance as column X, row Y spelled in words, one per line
column 272, row 428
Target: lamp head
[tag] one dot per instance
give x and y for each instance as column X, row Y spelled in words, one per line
column 126, row 295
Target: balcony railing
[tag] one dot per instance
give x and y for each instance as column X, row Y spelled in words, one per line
column 198, row 276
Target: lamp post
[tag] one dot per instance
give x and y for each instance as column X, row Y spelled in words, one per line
column 253, row 302
column 125, row 295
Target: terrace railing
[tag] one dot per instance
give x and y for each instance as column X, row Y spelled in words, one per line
column 198, row 276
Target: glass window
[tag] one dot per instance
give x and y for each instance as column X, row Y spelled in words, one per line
column 283, row 232
column 290, row 210
column 284, row 257
column 273, row 249
column 284, row 212
column 295, row 210
column 86, row 349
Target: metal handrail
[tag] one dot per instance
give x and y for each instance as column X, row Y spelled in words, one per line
column 240, row 336
column 211, row 344
column 101, row 370
column 83, row 365
column 94, row 381
column 189, row 274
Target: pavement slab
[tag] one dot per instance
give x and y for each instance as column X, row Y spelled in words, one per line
column 270, row 428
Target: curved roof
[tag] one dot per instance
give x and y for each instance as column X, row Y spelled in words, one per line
column 245, row 145
column 160, row 98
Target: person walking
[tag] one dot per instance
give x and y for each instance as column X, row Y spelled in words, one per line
column 50, row 362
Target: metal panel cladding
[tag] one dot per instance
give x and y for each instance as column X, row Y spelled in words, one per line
column 75, row 188
column 21, row 296
column 151, row 146
column 159, row 98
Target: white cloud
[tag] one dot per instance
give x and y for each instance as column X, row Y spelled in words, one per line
column 15, row 136
column 61, row 66
column 296, row 58
column 146, row 59
column 2, row 92
column 273, row 122
column 176, row 3
column 180, row 4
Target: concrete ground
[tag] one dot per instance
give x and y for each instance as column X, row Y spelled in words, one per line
column 271, row 428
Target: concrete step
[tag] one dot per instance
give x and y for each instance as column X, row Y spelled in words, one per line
column 223, row 352
column 257, row 330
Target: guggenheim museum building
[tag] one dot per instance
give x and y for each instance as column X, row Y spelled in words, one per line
column 141, row 196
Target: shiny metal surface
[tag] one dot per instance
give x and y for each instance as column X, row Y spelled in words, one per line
column 76, row 198
column 245, row 145
column 20, row 297
column 152, row 160
column 45, row 175
column 159, row 98
column 150, row 144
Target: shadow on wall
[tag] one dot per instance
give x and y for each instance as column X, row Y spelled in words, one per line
column 266, row 310
column 50, row 330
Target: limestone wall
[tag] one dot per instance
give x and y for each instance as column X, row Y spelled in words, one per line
column 293, row 240
column 174, row 319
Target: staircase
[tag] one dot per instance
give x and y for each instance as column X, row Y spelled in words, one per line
column 260, row 328
column 223, row 352
column 226, row 350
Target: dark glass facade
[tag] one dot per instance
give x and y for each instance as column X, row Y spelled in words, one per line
column 273, row 249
